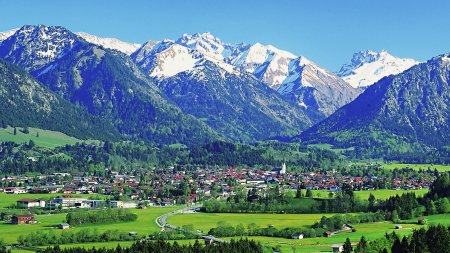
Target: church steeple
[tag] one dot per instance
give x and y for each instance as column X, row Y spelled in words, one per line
column 283, row 168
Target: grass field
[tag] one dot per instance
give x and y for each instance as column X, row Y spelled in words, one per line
column 370, row 231
column 47, row 138
column 330, row 147
column 440, row 168
column 364, row 195
column 385, row 194
column 206, row 221
column 144, row 225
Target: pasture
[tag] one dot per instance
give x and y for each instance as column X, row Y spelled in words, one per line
column 385, row 194
column 206, row 221
column 41, row 137
column 369, row 230
column 144, row 225
column 439, row 167
column 364, row 195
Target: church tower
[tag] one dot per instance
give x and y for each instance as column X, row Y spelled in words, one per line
column 283, row 168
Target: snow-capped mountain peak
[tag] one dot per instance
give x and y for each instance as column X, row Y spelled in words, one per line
column 45, row 44
column 111, row 43
column 6, row 34
column 207, row 44
column 367, row 67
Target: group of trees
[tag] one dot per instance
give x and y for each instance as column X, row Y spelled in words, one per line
column 336, row 222
column 146, row 246
column 435, row 239
column 100, row 216
column 226, row 230
column 275, row 200
column 40, row 238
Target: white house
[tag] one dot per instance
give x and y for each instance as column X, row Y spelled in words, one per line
column 30, row 203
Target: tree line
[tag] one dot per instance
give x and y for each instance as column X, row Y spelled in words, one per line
column 106, row 216
column 147, row 246
column 41, row 238
column 435, row 239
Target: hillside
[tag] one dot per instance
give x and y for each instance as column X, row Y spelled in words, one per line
column 25, row 102
column 238, row 105
column 40, row 137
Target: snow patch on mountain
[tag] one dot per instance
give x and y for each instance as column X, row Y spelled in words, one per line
column 367, row 67
column 173, row 60
column 111, row 43
column 6, row 34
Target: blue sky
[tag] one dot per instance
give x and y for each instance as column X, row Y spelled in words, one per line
column 327, row 32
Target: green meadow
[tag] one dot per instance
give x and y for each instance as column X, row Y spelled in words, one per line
column 385, row 194
column 206, row 221
column 42, row 138
column 440, row 168
column 369, row 230
column 364, row 195
column 144, row 225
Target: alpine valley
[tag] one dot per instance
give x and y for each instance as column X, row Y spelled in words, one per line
column 196, row 89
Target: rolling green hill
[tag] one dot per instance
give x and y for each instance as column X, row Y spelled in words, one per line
column 41, row 137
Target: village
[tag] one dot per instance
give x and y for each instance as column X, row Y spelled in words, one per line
column 169, row 186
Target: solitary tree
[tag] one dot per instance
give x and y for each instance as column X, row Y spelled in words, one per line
column 298, row 194
column 15, row 131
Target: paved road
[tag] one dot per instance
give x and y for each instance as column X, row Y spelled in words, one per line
column 161, row 221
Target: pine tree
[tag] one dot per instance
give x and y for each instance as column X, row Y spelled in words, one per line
column 405, row 245
column 15, row 131
column 298, row 194
column 348, row 246
column 397, row 246
column 362, row 245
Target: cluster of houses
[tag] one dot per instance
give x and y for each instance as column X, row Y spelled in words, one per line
column 162, row 186
column 69, row 202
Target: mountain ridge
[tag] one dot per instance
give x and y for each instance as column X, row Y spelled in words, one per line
column 404, row 112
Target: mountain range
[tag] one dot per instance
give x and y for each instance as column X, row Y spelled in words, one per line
column 196, row 88
column 408, row 112
column 105, row 82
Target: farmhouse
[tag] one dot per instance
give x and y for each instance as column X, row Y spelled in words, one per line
column 327, row 234
column 297, row 236
column 64, row 226
column 23, row 219
column 15, row 190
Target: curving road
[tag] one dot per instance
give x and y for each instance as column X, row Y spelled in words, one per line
column 161, row 221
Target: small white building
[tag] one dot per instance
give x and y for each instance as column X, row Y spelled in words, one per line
column 337, row 248
column 297, row 236
column 30, row 203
